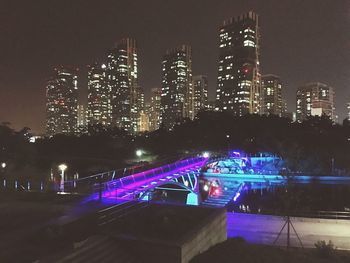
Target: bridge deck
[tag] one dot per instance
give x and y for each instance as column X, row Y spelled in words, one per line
column 130, row 187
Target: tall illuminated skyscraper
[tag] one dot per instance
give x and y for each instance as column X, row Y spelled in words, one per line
column 200, row 91
column 122, row 80
column 177, row 90
column 315, row 99
column 155, row 109
column 272, row 102
column 62, row 102
column 239, row 87
column 82, row 114
column 99, row 96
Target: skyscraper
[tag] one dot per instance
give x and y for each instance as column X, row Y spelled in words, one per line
column 82, row 116
column 122, row 80
column 62, row 102
column 177, row 90
column 315, row 99
column 99, row 96
column 239, row 86
column 155, row 109
column 200, row 91
column 271, row 102
column 348, row 107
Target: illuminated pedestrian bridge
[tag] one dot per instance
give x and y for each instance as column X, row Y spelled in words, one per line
column 201, row 180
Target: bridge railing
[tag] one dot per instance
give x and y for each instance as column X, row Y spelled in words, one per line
column 91, row 184
column 138, row 178
column 339, row 215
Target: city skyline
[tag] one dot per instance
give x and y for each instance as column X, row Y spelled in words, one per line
column 298, row 44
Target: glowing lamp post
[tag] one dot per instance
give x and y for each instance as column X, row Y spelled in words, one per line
column 139, row 153
column 206, row 155
column 62, row 168
column 3, row 165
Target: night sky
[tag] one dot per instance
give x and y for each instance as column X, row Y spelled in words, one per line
column 302, row 41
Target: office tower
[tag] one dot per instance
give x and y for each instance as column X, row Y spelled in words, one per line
column 99, row 96
column 239, row 84
column 271, row 102
column 348, row 107
column 200, row 91
column 144, row 121
column 154, row 109
column 62, row 102
column 177, row 90
column 122, row 80
column 211, row 105
column 315, row 99
column 82, row 116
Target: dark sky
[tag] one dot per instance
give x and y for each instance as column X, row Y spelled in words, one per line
column 302, row 40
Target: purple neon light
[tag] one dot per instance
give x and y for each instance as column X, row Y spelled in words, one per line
column 134, row 186
column 120, row 193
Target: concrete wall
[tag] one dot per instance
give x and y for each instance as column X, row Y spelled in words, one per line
column 211, row 232
column 207, row 233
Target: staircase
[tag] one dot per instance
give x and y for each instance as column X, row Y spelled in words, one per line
column 223, row 198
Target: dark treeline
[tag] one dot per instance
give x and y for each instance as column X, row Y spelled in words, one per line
column 315, row 146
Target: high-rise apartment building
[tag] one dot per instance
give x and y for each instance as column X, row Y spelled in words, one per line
column 154, row 109
column 62, row 102
column 82, row 116
column 315, row 99
column 99, row 96
column 271, row 99
column 122, row 80
column 177, row 90
column 239, row 84
column 200, row 91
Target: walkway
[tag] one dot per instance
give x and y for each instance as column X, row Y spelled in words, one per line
column 130, row 187
column 263, row 229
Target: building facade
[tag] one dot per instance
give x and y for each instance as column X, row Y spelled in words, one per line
column 315, row 99
column 177, row 90
column 271, row 99
column 122, row 80
column 82, row 116
column 200, row 93
column 239, row 79
column 62, row 102
column 154, row 109
column 99, row 109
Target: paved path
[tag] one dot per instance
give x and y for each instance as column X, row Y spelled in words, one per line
column 263, row 229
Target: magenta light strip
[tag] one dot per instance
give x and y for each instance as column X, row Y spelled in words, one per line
column 134, row 186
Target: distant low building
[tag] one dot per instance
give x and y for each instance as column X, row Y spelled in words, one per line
column 200, row 93
column 315, row 99
column 154, row 109
column 272, row 102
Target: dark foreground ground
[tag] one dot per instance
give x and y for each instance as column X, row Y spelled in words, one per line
column 237, row 250
column 23, row 217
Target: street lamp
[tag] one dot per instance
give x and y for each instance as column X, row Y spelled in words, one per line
column 3, row 165
column 228, row 139
column 206, row 155
column 139, row 153
column 62, row 168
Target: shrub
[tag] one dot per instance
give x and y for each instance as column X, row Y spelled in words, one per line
column 325, row 249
